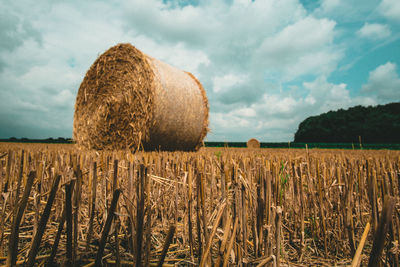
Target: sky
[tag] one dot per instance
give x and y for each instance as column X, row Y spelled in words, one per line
column 266, row 65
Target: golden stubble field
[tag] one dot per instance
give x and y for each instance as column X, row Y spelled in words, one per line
column 216, row 207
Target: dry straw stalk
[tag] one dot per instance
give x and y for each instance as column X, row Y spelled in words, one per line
column 221, row 202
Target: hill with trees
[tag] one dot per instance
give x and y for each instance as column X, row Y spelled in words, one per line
column 374, row 124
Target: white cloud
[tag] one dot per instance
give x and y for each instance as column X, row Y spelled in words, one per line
column 246, row 112
column 346, row 12
column 330, row 5
column 374, row 31
column 178, row 55
column 223, row 84
column 383, row 83
column 42, row 77
column 208, row 22
column 276, row 105
column 390, row 9
column 324, row 96
column 275, row 117
column 305, row 47
column 236, row 59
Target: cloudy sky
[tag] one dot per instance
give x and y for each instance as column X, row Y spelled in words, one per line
column 266, row 64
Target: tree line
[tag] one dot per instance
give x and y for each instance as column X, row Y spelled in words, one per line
column 372, row 124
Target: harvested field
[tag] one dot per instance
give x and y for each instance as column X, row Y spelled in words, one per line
column 255, row 207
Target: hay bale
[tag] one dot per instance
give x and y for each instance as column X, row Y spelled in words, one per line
column 128, row 100
column 253, row 143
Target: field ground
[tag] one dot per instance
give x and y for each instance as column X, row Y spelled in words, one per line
column 254, row 207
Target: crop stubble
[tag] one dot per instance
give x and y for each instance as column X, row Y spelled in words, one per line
column 217, row 206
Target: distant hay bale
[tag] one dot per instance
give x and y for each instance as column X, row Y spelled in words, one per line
column 253, row 143
column 130, row 100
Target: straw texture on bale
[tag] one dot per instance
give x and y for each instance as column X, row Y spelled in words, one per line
column 253, row 143
column 129, row 100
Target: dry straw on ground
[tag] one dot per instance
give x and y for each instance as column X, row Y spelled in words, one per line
column 253, row 143
column 129, row 99
column 217, row 207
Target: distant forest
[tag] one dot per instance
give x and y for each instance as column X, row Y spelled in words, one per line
column 378, row 124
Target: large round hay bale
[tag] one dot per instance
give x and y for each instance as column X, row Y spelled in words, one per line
column 129, row 100
column 253, row 143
